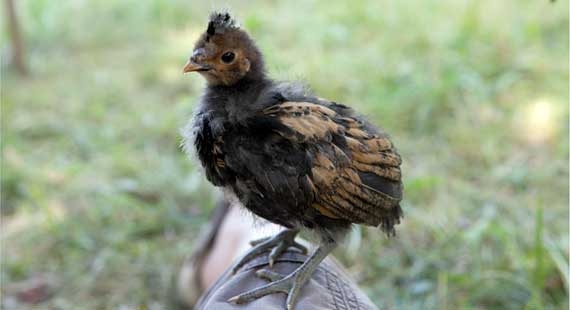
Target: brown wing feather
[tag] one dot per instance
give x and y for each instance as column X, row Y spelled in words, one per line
column 339, row 190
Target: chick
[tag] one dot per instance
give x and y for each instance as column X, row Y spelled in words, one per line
column 290, row 157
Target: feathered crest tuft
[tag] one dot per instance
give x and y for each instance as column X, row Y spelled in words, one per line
column 220, row 22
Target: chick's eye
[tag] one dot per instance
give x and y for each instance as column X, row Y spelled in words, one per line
column 228, row 57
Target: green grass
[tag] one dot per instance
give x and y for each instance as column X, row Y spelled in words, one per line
column 97, row 193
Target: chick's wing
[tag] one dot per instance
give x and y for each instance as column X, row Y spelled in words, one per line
column 354, row 169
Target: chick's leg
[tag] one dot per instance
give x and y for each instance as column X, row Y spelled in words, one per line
column 276, row 244
column 290, row 284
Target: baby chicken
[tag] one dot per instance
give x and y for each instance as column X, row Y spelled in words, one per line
column 290, row 157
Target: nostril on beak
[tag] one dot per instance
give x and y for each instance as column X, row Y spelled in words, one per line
column 197, row 55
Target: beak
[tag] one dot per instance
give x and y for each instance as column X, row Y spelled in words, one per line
column 192, row 67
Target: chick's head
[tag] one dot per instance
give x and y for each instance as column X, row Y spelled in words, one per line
column 225, row 54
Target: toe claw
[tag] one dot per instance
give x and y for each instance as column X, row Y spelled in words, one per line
column 258, row 241
column 275, row 252
column 249, row 256
column 268, row 275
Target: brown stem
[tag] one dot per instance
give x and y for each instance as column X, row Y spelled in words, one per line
column 15, row 37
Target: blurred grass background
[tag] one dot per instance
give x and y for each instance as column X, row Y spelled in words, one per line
column 98, row 197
